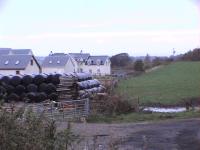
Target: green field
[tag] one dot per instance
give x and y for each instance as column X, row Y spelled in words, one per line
column 168, row 85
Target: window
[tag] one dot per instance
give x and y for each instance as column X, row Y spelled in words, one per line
column 98, row 61
column 90, row 71
column 58, row 61
column 81, row 69
column 6, row 62
column 31, row 62
column 17, row 62
column 50, row 61
column 17, row 72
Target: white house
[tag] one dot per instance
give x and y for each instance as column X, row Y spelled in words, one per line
column 96, row 65
column 18, row 64
column 59, row 63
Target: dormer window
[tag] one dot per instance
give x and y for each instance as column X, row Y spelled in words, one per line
column 6, row 62
column 17, row 62
column 98, row 61
column 58, row 61
column 50, row 61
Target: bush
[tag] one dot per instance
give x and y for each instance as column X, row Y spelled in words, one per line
column 139, row 65
column 26, row 131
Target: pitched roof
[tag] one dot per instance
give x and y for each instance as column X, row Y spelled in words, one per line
column 78, row 56
column 55, row 61
column 12, row 62
column 21, row 51
column 4, row 51
column 95, row 59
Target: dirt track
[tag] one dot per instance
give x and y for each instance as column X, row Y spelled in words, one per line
column 165, row 135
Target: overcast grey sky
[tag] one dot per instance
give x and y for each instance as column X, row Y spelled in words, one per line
column 101, row 27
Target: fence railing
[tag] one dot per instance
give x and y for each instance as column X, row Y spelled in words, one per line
column 59, row 111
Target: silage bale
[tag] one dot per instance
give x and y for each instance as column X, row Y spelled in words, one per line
column 42, row 87
column 13, row 97
column 27, row 79
column 31, row 97
column 49, row 78
column 5, row 80
column 15, row 80
column 42, row 96
column 32, row 88
column 9, row 88
column 19, row 89
column 38, row 79
column 50, row 88
column 53, row 96
column 56, row 79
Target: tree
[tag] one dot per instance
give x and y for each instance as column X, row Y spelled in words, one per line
column 139, row 65
column 156, row 62
column 147, row 62
column 120, row 60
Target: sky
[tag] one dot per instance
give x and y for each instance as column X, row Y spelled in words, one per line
column 101, row 27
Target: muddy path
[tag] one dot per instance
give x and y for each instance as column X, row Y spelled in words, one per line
column 165, row 135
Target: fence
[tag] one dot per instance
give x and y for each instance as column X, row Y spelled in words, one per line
column 59, row 111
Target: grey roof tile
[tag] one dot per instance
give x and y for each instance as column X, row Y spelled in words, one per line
column 55, row 61
column 11, row 62
column 78, row 56
column 94, row 59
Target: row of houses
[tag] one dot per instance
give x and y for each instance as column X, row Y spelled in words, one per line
column 23, row 61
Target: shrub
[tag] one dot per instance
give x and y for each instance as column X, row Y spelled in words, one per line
column 23, row 131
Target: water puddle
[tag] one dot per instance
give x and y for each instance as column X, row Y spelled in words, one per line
column 165, row 110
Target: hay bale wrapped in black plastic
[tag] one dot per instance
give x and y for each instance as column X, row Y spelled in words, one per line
column 19, row 89
column 53, row 96
column 12, row 97
column 49, row 78
column 32, row 88
column 15, row 80
column 39, row 79
column 31, row 97
column 56, row 79
column 42, row 87
column 41, row 96
column 2, row 93
column 5, row 80
column 27, row 79
column 9, row 88
column 51, row 88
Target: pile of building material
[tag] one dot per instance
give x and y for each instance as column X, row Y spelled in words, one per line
column 77, row 86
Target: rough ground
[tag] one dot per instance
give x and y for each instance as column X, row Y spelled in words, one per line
column 165, row 135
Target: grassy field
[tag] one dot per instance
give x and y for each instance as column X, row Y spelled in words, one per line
column 168, row 85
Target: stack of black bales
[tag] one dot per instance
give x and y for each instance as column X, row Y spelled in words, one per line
column 30, row 88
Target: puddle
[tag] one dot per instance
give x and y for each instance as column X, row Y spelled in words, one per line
column 165, row 110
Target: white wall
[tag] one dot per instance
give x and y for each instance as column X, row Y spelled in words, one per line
column 69, row 67
column 32, row 69
column 104, row 69
column 28, row 70
column 53, row 70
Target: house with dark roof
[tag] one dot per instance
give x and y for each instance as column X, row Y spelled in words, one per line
column 59, row 63
column 18, row 64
